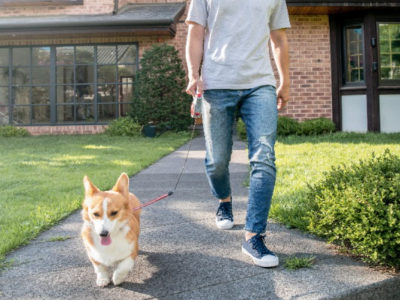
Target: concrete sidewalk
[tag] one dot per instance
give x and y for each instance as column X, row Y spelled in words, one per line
column 183, row 255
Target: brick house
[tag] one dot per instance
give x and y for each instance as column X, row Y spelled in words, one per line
column 67, row 66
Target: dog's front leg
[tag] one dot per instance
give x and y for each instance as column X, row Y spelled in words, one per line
column 103, row 279
column 122, row 270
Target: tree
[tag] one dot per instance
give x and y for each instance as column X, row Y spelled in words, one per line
column 159, row 95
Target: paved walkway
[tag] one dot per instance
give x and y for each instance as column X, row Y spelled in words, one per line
column 184, row 256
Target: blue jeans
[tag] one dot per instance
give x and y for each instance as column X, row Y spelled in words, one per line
column 258, row 108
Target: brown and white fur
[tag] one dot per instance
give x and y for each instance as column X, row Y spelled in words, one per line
column 111, row 229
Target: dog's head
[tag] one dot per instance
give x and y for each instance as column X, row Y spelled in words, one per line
column 108, row 210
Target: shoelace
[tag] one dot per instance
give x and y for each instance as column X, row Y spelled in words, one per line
column 225, row 212
column 259, row 245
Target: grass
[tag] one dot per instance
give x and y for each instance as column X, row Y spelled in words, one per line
column 58, row 239
column 41, row 178
column 303, row 160
column 295, row 263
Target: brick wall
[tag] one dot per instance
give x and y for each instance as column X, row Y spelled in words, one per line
column 310, row 68
column 76, row 129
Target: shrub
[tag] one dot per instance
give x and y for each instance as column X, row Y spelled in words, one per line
column 241, row 129
column 288, row 126
column 317, row 126
column 358, row 206
column 159, row 90
column 124, row 126
column 9, row 131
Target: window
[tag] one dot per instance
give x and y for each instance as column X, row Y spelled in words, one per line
column 69, row 84
column 389, row 53
column 354, row 54
column 39, row 2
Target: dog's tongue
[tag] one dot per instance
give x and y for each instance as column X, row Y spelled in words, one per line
column 105, row 241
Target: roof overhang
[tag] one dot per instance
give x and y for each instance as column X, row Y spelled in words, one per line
column 303, row 7
column 134, row 19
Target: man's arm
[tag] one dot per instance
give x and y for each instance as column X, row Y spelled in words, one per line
column 194, row 54
column 280, row 48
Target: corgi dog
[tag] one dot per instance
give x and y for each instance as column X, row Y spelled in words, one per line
column 110, row 231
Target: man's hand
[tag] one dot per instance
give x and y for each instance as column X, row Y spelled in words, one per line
column 195, row 85
column 194, row 54
column 282, row 94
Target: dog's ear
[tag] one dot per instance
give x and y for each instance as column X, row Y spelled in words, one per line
column 90, row 188
column 122, row 185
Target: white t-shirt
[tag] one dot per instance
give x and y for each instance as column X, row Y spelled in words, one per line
column 236, row 54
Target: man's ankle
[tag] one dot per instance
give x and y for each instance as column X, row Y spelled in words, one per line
column 225, row 200
column 248, row 235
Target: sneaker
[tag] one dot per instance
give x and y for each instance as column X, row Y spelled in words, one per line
column 261, row 255
column 224, row 216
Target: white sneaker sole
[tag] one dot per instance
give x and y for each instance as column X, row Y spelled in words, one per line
column 269, row 261
column 224, row 225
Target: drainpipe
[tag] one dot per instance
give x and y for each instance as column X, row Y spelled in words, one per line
column 115, row 7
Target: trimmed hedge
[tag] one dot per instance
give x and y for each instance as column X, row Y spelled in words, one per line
column 358, row 207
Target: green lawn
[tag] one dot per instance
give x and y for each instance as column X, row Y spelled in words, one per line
column 302, row 160
column 41, row 177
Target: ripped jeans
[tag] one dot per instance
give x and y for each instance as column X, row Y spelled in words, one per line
column 258, row 109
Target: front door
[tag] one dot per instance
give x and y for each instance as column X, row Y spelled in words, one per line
column 365, row 52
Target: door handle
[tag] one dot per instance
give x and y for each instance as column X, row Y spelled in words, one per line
column 374, row 66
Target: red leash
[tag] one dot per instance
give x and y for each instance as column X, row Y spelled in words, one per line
column 153, row 201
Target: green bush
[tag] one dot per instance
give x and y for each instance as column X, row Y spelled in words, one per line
column 241, row 129
column 159, row 90
column 288, row 126
column 124, row 126
column 358, row 207
column 317, row 126
column 9, row 131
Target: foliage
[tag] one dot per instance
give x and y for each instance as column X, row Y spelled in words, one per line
column 358, row 206
column 124, row 126
column 159, row 90
column 12, row 131
column 241, row 129
column 295, row 263
column 288, row 126
column 317, row 126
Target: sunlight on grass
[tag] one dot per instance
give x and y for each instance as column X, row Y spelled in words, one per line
column 41, row 178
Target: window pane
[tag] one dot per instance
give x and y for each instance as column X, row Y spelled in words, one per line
column 21, row 76
column 106, row 93
column 21, row 114
column 41, row 114
column 4, row 117
column 123, row 110
column 4, row 95
column 389, row 51
column 4, row 57
column 21, row 95
column 106, row 55
column 4, row 74
column 84, row 54
column 84, row 113
column 127, row 54
column 106, row 74
column 125, row 92
column 41, row 95
column 84, row 74
column 21, row 57
column 126, row 70
column 65, row 114
column 354, row 54
column 41, row 56
column 41, row 75
column 65, row 75
column 65, row 94
column 84, row 93
column 107, row 112
column 65, row 55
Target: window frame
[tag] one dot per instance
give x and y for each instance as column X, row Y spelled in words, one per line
column 384, row 82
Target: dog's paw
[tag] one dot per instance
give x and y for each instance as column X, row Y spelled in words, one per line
column 102, row 282
column 118, row 278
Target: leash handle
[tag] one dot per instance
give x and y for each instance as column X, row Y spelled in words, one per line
column 153, row 201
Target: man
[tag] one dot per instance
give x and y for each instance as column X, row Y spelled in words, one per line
column 230, row 38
